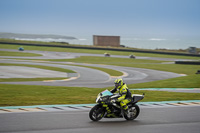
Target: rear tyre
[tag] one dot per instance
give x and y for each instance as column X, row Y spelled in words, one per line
column 132, row 113
column 96, row 113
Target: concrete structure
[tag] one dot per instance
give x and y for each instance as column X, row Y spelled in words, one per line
column 192, row 50
column 113, row 41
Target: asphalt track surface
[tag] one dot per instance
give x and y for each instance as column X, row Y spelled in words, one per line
column 27, row 72
column 151, row 120
column 87, row 77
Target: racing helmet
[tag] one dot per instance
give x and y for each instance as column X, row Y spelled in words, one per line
column 118, row 83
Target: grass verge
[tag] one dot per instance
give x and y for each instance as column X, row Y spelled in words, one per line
column 76, row 50
column 191, row 81
column 39, row 66
column 108, row 60
column 22, row 54
column 24, row 95
column 13, row 95
column 139, row 63
column 111, row 72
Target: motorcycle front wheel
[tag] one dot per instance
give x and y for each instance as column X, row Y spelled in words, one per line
column 96, row 113
column 133, row 112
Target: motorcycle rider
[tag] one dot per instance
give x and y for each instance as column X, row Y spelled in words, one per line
column 125, row 94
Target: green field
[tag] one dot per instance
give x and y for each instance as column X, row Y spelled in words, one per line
column 12, row 95
column 92, row 51
column 111, row 72
column 20, row 53
column 23, row 95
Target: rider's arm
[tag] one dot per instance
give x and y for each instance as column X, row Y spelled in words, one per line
column 113, row 90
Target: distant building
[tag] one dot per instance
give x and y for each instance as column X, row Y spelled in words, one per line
column 113, row 41
column 192, row 50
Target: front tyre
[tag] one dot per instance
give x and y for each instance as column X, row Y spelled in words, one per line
column 96, row 113
column 133, row 112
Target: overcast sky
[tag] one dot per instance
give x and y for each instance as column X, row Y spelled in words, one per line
column 101, row 17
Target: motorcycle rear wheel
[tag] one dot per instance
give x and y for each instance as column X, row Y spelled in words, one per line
column 133, row 112
column 96, row 113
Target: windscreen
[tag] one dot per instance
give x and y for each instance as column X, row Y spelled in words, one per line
column 106, row 93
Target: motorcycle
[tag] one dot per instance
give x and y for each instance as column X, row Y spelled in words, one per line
column 108, row 107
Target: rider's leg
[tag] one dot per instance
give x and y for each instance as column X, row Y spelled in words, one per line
column 124, row 103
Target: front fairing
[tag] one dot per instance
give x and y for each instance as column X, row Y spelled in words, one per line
column 100, row 96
